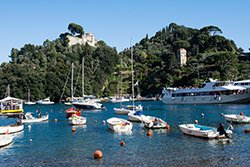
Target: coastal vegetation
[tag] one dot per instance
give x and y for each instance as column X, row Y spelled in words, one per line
column 44, row 69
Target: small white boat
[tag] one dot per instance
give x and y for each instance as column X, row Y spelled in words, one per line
column 205, row 131
column 5, row 140
column 136, row 116
column 137, row 108
column 77, row 120
column 11, row 129
column 29, row 102
column 154, row 122
column 45, row 101
column 68, row 103
column 123, row 111
column 237, row 118
column 119, row 125
column 118, row 99
column 29, row 118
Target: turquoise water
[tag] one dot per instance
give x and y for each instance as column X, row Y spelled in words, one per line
column 53, row 143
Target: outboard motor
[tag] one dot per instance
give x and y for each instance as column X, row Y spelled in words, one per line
column 221, row 130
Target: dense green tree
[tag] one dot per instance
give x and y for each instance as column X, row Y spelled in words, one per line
column 75, row 29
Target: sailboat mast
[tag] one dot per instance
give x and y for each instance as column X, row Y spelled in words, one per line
column 120, row 90
column 8, row 90
column 72, row 88
column 28, row 95
column 83, row 77
column 132, row 64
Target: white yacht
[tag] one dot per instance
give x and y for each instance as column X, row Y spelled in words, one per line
column 212, row 92
column 88, row 104
column 243, row 83
column 45, row 101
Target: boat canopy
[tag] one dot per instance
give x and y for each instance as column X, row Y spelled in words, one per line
column 8, row 99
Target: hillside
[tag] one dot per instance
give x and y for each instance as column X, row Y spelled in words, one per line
column 44, row 69
column 209, row 55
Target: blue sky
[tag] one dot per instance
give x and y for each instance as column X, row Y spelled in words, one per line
column 116, row 21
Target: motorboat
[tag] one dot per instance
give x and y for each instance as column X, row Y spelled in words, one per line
column 77, row 120
column 29, row 102
column 14, row 128
column 212, row 92
column 119, row 125
column 88, row 104
column 45, row 101
column 134, row 107
column 137, row 116
column 237, row 118
column 154, row 122
column 11, row 105
column 71, row 111
column 123, row 111
column 5, row 140
column 118, row 99
column 206, row 131
column 29, row 118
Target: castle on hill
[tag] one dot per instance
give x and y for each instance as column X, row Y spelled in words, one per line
column 88, row 38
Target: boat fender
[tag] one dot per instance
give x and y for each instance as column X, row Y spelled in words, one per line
column 247, row 130
column 150, row 133
column 73, row 129
column 167, row 127
column 97, row 154
column 122, row 143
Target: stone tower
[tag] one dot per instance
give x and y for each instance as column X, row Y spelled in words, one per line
column 182, row 56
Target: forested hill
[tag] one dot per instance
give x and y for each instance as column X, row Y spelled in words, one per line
column 44, row 69
column 209, row 55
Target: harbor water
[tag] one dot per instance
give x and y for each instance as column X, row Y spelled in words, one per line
column 53, row 143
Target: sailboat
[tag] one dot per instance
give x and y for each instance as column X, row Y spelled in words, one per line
column 122, row 110
column 135, row 115
column 29, row 102
column 82, row 103
column 72, row 111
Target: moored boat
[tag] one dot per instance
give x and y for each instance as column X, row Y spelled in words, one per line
column 154, row 122
column 77, row 120
column 237, row 118
column 14, row 128
column 119, row 125
column 212, row 92
column 134, row 107
column 118, row 99
column 29, row 118
column 122, row 111
column 45, row 101
column 5, row 140
column 205, row 131
column 11, row 105
column 29, row 102
column 88, row 104
column 71, row 111
column 137, row 116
